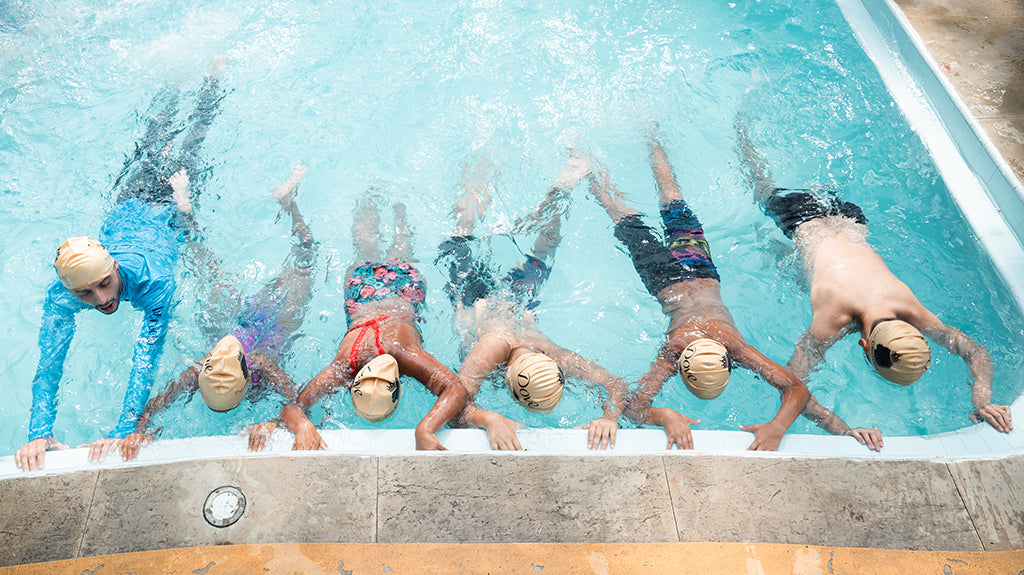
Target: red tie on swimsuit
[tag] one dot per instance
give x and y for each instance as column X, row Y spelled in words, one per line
column 375, row 324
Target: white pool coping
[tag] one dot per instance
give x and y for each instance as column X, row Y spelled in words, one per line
column 980, row 181
column 976, row 442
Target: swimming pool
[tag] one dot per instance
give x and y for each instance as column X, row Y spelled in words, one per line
column 403, row 102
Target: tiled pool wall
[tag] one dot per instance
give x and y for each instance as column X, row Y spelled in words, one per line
column 981, row 182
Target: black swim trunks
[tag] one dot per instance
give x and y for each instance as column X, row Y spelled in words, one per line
column 686, row 255
column 792, row 207
column 470, row 278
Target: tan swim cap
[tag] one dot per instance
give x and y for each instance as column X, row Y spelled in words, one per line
column 898, row 351
column 82, row 260
column 704, row 367
column 377, row 389
column 224, row 376
column 536, row 382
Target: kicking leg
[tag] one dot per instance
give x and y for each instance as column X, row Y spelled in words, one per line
column 140, row 176
column 223, row 303
column 754, row 165
column 607, row 194
column 668, row 186
column 469, row 276
column 207, row 107
column 401, row 245
column 285, row 195
column 476, row 183
column 547, row 218
column 366, row 230
column 292, row 288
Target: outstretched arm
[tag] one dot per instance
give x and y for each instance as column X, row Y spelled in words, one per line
column 871, row 437
column 638, row 405
column 442, row 382
column 487, row 355
column 278, row 378
column 980, row 364
column 55, row 337
column 188, row 380
column 134, row 441
column 306, row 436
column 767, row 436
column 602, row 431
column 808, row 353
column 280, row 382
column 156, row 302
column 294, row 415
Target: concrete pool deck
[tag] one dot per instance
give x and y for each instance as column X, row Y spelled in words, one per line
column 965, row 506
column 979, row 47
column 593, row 512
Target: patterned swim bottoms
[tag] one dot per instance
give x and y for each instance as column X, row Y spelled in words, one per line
column 374, row 281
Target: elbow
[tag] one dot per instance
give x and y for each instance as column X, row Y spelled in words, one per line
column 802, row 395
column 458, row 394
column 796, row 391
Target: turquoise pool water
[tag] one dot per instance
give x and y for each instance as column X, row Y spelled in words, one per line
column 401, row 96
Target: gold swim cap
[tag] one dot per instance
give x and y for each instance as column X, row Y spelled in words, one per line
column 224, row 377
column 898, row 351
column 704, row 367
column 377, row 389
column 82, row 260
column 536, row 382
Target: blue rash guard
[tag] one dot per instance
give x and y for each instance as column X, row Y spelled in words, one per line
column 141, row 237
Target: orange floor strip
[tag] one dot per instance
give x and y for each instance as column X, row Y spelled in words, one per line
column 533, row 559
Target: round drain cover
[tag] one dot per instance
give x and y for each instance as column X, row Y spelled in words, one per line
column 224, row 506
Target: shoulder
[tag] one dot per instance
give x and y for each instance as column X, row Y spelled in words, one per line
column 148, row 281
column 262, row 361
column 142, row 265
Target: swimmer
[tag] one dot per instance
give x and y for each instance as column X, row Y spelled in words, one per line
column 497, row 321
column 853, row 291
column 133, row 261
column 247, row 361
column 383, row 297
column 702, row 343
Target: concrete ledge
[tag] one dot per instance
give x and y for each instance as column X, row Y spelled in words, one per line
column 993, row 493
column 494, row 498
column 962, row 506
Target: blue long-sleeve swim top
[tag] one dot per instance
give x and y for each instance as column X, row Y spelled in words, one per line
column 143, row 240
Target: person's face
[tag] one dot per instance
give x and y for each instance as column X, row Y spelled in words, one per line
column 103, row 294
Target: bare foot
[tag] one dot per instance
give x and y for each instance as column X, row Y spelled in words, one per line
column 179, row 185
column 218, row 64
column 284, row 192
column 575, row 169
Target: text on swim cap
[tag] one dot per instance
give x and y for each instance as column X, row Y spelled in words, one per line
column 523, row 394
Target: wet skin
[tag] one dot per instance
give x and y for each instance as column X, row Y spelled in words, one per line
column 103, row 294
